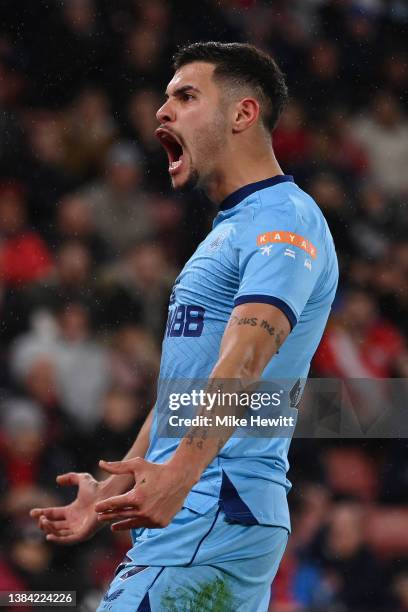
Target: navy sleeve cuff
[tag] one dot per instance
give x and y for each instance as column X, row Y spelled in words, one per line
column 268, row 299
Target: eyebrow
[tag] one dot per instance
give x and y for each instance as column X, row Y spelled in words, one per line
column 181, row 90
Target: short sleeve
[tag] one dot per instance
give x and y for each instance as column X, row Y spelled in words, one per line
column 278, row 264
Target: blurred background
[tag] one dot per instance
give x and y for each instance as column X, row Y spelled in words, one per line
column 91, row 239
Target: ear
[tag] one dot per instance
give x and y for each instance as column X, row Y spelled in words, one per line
column 246, row 113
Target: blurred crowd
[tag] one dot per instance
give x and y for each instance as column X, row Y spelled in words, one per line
column 92, row 238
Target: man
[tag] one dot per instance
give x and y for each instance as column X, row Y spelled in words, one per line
column 209, row 513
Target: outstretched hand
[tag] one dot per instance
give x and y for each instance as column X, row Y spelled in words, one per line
column 76, row 521
column 158, row 495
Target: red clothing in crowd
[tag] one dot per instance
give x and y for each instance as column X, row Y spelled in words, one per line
column 25, row 258
column 339, row 355
column 291, row 146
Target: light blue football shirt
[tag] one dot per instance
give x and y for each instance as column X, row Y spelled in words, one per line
column 269, row 244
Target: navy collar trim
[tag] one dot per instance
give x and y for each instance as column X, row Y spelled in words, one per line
column 243, row 192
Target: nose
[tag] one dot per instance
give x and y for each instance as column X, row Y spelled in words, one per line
column 165, row 113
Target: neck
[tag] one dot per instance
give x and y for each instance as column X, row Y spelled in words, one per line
column 235, row 171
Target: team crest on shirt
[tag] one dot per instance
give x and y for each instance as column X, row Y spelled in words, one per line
column 217, row 241
column 280, row 236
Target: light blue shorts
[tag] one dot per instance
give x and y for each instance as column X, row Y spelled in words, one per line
column 200, row 563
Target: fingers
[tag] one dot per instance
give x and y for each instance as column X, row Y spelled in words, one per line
column 68, row 479
column 133, row 523
column 57, row 531
column 55, row 525
column 115, row 514
column 57, row 528
column 60, row 534
column 118, row 502
column 36, row 512
column 54, row 514
column 118, row 467
column 127, row 524
column 65, row 540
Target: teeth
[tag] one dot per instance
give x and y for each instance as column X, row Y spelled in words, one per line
column 175, row 164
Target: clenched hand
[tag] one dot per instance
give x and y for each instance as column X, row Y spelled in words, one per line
column 158, row 495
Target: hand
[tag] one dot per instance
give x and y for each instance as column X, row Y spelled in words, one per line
column 77, row 521
column 157, row 496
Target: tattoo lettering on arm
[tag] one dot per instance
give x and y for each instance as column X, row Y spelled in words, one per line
column 233, row 321
column 279, row 338
column 190, row 435
column 203, row 437
column 253, row 321
column 198, row 435
column 269, row 328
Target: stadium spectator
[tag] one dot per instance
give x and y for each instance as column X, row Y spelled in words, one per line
column 329, row 191
column 89, row 130
column 81, row 362
column 140, row 126
column 121, row 418
column 292, row 139
column 74, row 223
column 359, row 49
column 375, row 224
column 144, row 279
column 71, row 280
column 384, row 134
column 359, row 344
column 28, row 561
column 324, row 74
column 118, row 203
column 395, row 74
column 168, row 216
column 76, row 26
column 41, row 385
column 25, row 255
column 345, row 154
column 142, row 60
column 44, row 170
column 29, row 465
column 390, row 279
column 134, row 361
column 352, row 571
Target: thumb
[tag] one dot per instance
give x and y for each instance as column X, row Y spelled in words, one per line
column 71, row 478
column 117, row 467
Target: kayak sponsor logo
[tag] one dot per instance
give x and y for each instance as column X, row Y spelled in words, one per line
column 287, row 238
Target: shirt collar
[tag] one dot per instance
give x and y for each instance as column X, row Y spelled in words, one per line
column 243, row 192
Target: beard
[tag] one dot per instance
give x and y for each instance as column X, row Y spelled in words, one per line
column 191, row 183
column 208, row 145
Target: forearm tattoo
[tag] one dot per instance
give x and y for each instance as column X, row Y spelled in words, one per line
column 198, row 435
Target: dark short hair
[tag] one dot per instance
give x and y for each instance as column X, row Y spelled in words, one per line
column 243, row 64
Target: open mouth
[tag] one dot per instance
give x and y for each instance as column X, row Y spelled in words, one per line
column 173, row 148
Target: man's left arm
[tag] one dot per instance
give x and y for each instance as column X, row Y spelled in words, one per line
column 254, row 333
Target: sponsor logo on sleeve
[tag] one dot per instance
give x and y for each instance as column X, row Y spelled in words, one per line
column 287, row 238
column 266, row 250
column 290, row 253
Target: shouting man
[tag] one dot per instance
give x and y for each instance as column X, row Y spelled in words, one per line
column 208, row 513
